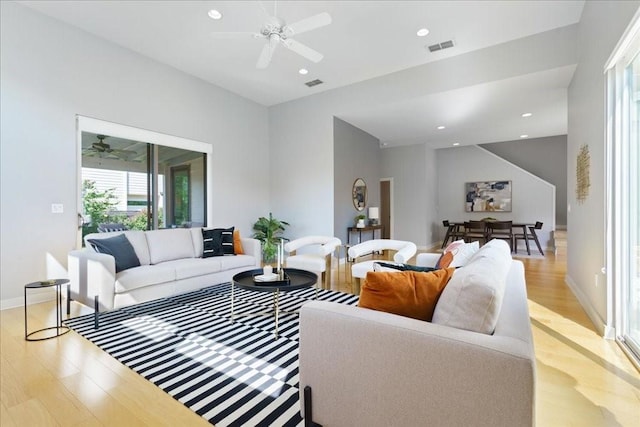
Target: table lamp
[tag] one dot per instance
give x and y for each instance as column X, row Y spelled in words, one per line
column 374, row 215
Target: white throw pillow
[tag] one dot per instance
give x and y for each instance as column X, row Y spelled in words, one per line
column 473, row 297
column 462, row 252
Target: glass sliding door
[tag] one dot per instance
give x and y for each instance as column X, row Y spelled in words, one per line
column 114, row 182
column 623, row 189
column 185, row 186
column 140, row 186
column 632, row 82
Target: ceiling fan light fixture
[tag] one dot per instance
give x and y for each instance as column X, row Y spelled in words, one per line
column 303, row 71
column 422, row 32
column 214, row 14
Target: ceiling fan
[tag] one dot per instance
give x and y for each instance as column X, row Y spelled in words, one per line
column 276, row 32
column 101, row 148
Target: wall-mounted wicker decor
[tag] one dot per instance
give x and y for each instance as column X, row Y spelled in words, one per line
column 582, row 174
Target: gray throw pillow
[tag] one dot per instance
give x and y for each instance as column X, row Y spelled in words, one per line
column 120, row 248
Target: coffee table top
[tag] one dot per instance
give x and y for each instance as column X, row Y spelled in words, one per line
column 297, row 279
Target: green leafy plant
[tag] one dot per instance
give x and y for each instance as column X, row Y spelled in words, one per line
column 269, row 232
column 359, row 217
column 96, row 204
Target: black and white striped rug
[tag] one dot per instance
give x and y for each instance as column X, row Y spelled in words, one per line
column 231, row 374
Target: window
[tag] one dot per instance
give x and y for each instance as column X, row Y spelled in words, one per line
column 623, row 189
column 141, row 179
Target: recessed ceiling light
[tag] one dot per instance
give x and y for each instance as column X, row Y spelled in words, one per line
column 455, row 144
column 422, row 32
column 214, row 14
column 524, row 136
column 303, row 71
column 441, row 127
column 527, row 114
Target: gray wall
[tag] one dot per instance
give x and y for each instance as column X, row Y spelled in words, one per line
column 601, row 26
column 356, row 154
column 543, row 157
column 414, row 192
column 532, row 198
column 51, row 72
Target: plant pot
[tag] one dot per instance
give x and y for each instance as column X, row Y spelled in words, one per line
column 360, row 223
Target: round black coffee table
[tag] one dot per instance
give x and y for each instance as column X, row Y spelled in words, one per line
column 292, row 279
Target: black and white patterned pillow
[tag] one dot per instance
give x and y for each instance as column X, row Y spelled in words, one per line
column 217, row 242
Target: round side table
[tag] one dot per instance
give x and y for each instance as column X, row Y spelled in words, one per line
column 59, row 327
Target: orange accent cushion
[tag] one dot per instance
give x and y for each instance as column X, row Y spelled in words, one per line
column 406, row 293
column 237, row 243
column 445, row 260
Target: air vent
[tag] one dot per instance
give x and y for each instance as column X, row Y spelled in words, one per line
column 440, row 46
column 315, row 82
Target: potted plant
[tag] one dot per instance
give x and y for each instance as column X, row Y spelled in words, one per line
column 360, row 220
column 269, row 232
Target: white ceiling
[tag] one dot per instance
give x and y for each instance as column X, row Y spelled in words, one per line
column 366, row 39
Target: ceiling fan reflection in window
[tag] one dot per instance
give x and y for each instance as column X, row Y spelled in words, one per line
column 103, row 150
column 275, row 31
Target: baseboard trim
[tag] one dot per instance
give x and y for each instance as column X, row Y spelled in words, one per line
column 603, row 329
column 33, row 298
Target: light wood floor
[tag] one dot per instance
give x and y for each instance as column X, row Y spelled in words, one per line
column 583, row 380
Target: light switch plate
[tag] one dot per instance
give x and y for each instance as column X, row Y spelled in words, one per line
column 57, row 208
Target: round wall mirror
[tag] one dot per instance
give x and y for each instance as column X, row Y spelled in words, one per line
column 359, row 193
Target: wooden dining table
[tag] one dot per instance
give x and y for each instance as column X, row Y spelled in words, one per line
column 459, row 225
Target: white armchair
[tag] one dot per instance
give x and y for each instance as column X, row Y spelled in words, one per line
column 316, row 259
column 403, row 252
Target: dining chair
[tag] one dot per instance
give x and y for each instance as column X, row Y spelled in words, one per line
column 453, row 232
column 500, row 230
column 528, row 235
column 475, row 230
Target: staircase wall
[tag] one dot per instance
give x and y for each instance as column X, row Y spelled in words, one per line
column 543, row 157
column 533, row 199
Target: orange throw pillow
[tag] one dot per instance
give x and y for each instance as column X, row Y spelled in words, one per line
column 445, row 260
column 406, row 293
column 237, row 243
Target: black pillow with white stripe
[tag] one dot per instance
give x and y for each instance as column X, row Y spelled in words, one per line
column 217, row 242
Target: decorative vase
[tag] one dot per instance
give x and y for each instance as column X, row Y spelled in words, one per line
column 360, row 223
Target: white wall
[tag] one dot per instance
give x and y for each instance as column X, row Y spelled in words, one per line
column 51, row 72
column 601, row 26
column 532, row 198
column 302, row 190
column 356, row 155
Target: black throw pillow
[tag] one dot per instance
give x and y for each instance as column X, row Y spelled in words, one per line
column 405, row 267
column 217, row 242
column 120, row 248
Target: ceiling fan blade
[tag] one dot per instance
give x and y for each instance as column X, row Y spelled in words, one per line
column 303, row 50
column 308, row 24
column 267, row 52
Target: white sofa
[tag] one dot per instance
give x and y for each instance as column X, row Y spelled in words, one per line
column 170, row 263
column 371, row 368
